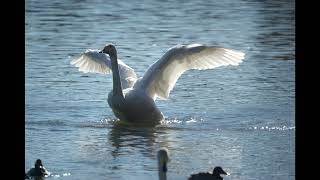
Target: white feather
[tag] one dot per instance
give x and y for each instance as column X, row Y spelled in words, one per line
column 91, row 61
column 136, row 101
column 161, row 76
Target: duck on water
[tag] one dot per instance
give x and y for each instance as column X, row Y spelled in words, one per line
column 132, row 98
column 163, row 159
column 39, row 172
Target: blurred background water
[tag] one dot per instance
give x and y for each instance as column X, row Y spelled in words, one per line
column 241, row 118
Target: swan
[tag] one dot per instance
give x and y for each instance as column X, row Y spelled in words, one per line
column 163, row 159
column 133, row 99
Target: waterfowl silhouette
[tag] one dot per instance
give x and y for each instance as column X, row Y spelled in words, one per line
column 133, row 98
column 217, row 171
column 163, row 159
column 38, row 172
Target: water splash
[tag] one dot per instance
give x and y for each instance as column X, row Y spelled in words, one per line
column 171, row 121
column 273, row 128
column 192, row 120
column 176, row 120
column 103, row 123
column 60, row 175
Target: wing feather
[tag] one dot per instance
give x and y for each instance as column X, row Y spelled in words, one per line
column 161, row 76
column 91, row 61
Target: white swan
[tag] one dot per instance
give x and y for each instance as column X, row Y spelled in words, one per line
column 133, row 99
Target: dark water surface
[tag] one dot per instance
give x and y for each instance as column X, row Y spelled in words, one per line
column 241, row 118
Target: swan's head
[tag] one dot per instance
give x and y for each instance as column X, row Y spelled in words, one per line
column 218, row 171
column 109, row 49
column 163, row 158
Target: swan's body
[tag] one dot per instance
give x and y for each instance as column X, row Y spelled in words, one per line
column 135, row 106
column 133, row 99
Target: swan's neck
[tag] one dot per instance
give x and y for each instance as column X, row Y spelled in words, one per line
column 162, row 171
column 117, row 88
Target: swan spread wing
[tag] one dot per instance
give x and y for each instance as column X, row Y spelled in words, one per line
column 161, row 76
column 94, row 62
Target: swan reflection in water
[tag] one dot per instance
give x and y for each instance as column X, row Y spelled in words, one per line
column 144, row 138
